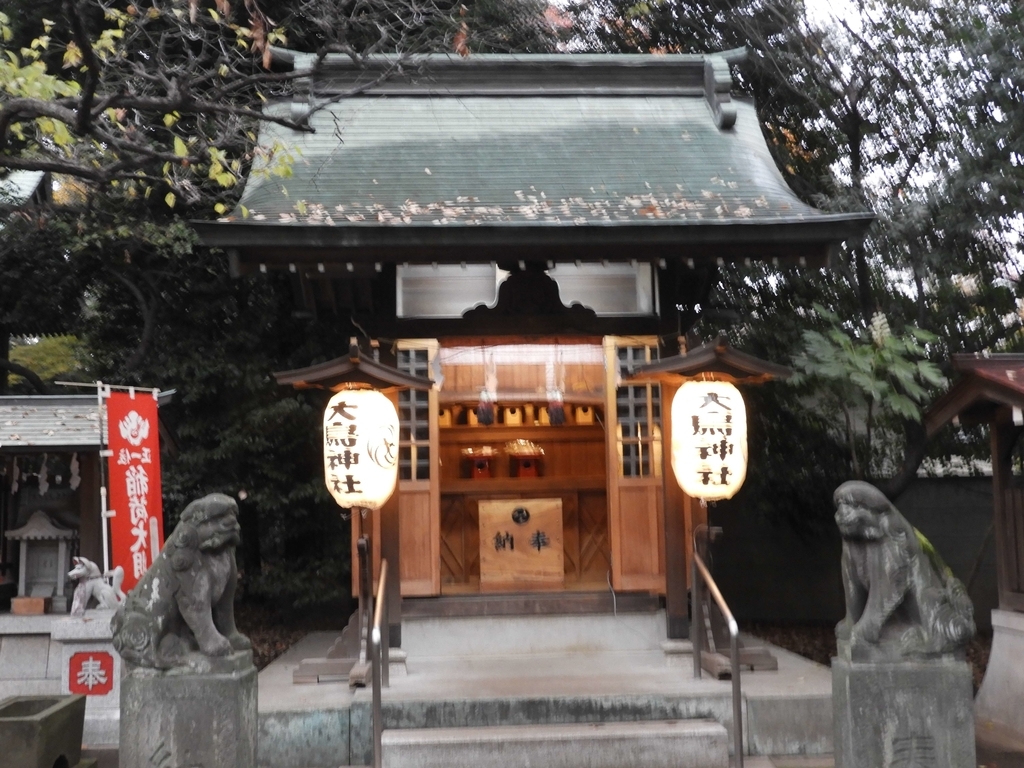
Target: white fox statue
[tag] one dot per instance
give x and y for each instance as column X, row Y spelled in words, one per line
column 92, row 585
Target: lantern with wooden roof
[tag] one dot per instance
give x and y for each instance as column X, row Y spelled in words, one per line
column 709, row 435
column 360, row 426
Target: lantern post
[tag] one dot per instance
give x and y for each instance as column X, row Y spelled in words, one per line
column 365, row 463
column 709, row 449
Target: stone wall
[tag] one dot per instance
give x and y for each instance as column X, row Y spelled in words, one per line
column 30, row 662
column 36, row 654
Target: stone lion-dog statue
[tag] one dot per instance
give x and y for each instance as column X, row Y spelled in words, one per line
column 184, row 603
column 901, row 599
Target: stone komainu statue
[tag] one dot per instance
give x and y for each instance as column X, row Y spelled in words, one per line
column 185, row 601
column 901, row 599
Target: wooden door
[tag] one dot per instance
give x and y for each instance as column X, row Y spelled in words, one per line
column 418, row 476
column 635, row 486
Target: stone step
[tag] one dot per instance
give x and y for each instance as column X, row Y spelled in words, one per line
column 528, row 604
column 652, row 744
column 519, row 635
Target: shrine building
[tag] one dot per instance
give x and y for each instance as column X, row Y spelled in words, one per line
column 525, row 239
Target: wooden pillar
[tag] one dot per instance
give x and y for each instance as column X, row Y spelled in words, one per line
column 382, row 528
column 389, row 550
column 90, row 534
column 6, row 510
column 390, row 538
column 22, row 567
column 1004, row 435
column 676, row 557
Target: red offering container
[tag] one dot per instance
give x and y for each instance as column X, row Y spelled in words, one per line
column 524, row 458
column 480, row 461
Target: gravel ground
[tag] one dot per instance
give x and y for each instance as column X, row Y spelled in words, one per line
column 272, row 633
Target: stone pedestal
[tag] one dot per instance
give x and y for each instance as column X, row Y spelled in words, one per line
column 1001, row 698
column 901, row 714
column 183, row 718
column 91, row 667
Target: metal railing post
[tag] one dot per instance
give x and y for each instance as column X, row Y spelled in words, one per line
column 365, row 596
column 379, row 654
column 734, row 652
column 737, row 703
column 697, row 625
column 385, row 659
column 377, row 725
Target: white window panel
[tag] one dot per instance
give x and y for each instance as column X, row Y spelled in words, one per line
column 445, row 290
column 608, row 289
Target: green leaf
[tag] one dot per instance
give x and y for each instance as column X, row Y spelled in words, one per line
column 930, row 373
column 169, row 199
column 905, row 407
column 180, row 149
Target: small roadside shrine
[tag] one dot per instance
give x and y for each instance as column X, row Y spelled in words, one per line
column 86, row 465
column 79, row 476
column 530, row 233
column 50, row 452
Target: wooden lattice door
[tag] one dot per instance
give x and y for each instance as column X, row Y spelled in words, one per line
column 635, row 485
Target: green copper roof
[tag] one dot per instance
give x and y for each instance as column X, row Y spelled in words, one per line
column 508, row 160
column 560, row 153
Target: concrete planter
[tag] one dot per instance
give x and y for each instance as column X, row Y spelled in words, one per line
column 42, row 731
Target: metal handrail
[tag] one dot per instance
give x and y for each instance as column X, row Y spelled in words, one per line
column 379, row 657
column 365, row 598
column 700, row 571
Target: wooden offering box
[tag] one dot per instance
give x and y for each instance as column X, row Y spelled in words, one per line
column 521, row 545
column 479, row 461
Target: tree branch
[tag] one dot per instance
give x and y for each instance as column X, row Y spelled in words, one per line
column 29, row 375
column 913, row 454
column 148, row 310
column 92, row 68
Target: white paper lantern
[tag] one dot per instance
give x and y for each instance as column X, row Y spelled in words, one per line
column 361, row 448
column 709, row 439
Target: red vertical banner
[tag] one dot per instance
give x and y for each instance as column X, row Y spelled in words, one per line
column 134, row 495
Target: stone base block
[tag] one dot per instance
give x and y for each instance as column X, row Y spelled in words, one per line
column 87, row 641
column 1001, row 698
column 194, row 720
column 896, row 714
